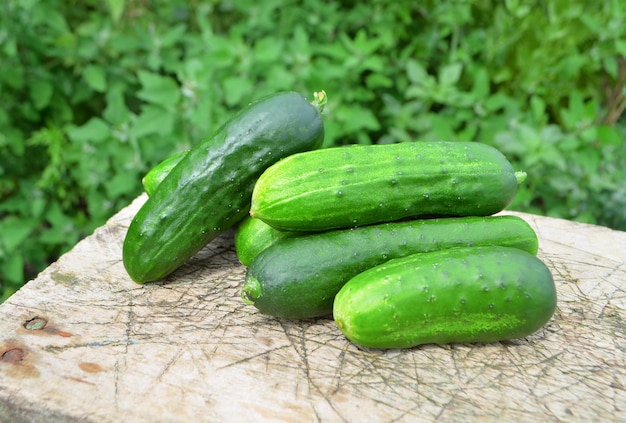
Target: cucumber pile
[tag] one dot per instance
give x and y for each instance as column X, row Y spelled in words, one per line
column 398, row 242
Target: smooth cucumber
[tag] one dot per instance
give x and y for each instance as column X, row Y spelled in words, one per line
column 461, row 295
column 154, row 177
column 298, row 278
column 210, row 189
column 358, row 185
column 254, row 236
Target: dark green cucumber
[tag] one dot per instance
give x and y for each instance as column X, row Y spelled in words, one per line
column 254, row 236
column 210, row 189
column 358, row 185
column 461, row 295
column 298, row 278
column 154, row 177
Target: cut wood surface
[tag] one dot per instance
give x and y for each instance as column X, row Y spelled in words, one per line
column 84, row 343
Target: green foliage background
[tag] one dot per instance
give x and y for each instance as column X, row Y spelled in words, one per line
column 94, row 93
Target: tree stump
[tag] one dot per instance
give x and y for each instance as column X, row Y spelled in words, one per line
column 84, row 343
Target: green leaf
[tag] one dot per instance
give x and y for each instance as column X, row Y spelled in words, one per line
column 158, row 89
column 13, row 268
column 517, row 9
column 356, row 118
column 37, row 203
column 611, row 66
column 119, row 184
column 538, row 107
column 361, row 44
column 14, row 231
column 481, row 87
column 443, row 127
column 95, row 77
column 450, row 74
column 116, row 9
column 608, row 135
column 620, row 46
column 418, row 91
column 579, row 113
column 300, row 40
column 95, row 129
column 12, row 76
column 220, row 51
column 55, row 215
column 61, row 226
column 377, row 80
column 9, row 47
column 416, row 72
column 235, row 89
column 41, row 93
column 50, row 16
column 172, row 36
column 116, row 111
column 268, row 50
column 499, row 101
column 153, row 120
column 374, row 64
column 281, row 78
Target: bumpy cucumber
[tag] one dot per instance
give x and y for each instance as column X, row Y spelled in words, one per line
column 298, row 278
column 210, row 188
column 154, row 177
column 358, row 185
column 254, row 236
column 480, row 294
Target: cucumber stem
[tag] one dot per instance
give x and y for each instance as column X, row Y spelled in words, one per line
column 520, row 176
column 319, row 100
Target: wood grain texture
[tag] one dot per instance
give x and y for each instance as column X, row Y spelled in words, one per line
column 82, row 342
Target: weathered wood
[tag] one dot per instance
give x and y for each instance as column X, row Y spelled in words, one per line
column 82, row 342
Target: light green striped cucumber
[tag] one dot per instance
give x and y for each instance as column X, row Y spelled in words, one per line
column 460, row 295
column 298, row 277
column 254, row 236
column 154, row 177
column 358, row 185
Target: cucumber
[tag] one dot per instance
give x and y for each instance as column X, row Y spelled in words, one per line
column 154, row 177
column 298, row 278
column 210, row 189
column 460, row 295
column 363, row 184
column 254, row 236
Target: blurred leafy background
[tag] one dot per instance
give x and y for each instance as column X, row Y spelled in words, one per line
column 94, row 93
